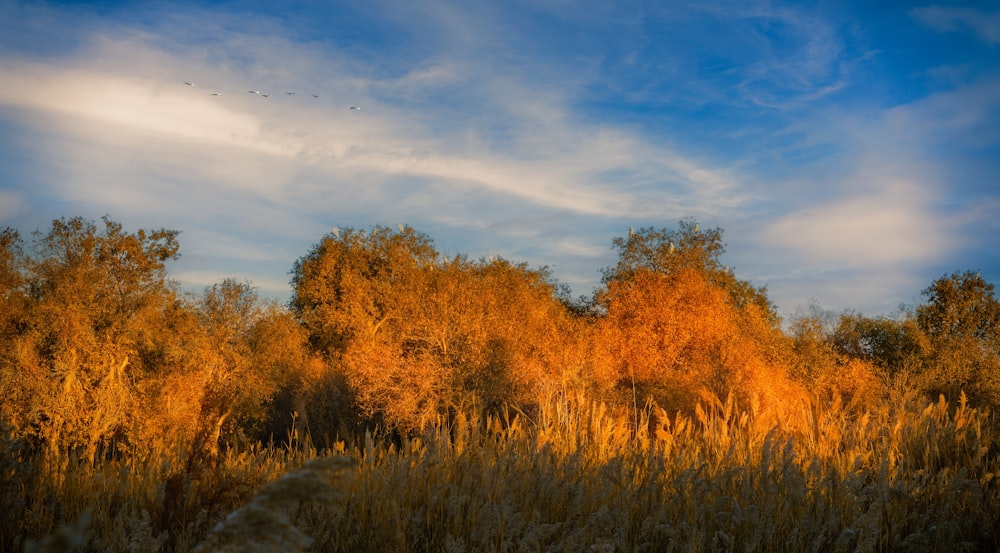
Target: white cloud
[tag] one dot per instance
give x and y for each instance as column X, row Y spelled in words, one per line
column 550, row 160
column 126, row 104
column 986, row 25
column 510, row 165
column 476, row 133
column 890, row 225
column 964, row 115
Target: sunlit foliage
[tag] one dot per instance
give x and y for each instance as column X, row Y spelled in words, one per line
column 420, row 336
column 831, row 374
column 90, row 302
column 677, row 324
column 961, row 317
column 689, row 247
column 472, row 407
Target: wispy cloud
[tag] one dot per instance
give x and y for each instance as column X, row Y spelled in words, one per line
column 125, row 102
column 497, row 138
column 892, row 212
column 985, row 24
column 890, row 224
column 546, row 157
column 135, row 141
column 769, row 54
column 800, row 58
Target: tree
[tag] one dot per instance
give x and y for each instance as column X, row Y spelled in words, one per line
column 344, row 288
column 812, row 352
column 228, row 312
column 830, row 373
column 16, row 387
column 300, row 390
column 677, row 323
column 960, row 306
column 689, row 247
column 419, row 337
column 961, row 317
column 11, row 269
column 894, row 346
column 223, row 358
column 349, row 292
column 90, row 297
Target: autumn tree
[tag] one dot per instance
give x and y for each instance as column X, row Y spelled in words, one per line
column 419, row 336
column 89, row 296
column 299, row 388
column 811, row 350
column 894, row 346
column 17, row 388
column 346, row 289
column 12, row 278
column 228, row 310
column 262, row 351
column 488, row 329
column 688, row 247
column 961, row 317
column 234, row 386
column 222, row 360
column 840, row 359
column 677, row 323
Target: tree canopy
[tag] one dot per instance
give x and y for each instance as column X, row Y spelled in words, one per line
column 688, row 247
column 961, row 318
column 419, row 335
column 100, row 351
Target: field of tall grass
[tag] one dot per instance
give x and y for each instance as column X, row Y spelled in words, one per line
column 572, row 475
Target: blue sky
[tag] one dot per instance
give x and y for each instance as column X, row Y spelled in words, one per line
column 850, row 150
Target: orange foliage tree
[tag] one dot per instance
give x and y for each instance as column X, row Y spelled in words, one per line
column 99, row 352
column 18, row 385
column 419, row 336
column 89, row 300
column 961, row 318
column 678, row 324
column 820, row 354
column 222, row 358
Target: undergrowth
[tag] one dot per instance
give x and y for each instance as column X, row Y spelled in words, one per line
column 576, row 476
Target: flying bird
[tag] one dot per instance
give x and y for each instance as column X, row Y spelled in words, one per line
column 315, row 95
column 290, row 93
column 355, row 107
column 253, row 92
column 216, row 94
column 266, row 95
column 188, row 83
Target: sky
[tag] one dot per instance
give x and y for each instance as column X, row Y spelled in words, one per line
column 850, row 150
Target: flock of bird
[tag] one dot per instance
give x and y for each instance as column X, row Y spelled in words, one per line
column 264, row 95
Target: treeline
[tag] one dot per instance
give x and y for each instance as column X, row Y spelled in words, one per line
column 101, row 354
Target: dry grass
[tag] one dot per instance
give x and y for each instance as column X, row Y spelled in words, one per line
column 903, row 476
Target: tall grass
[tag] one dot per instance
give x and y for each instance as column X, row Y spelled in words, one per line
column 576, row 476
